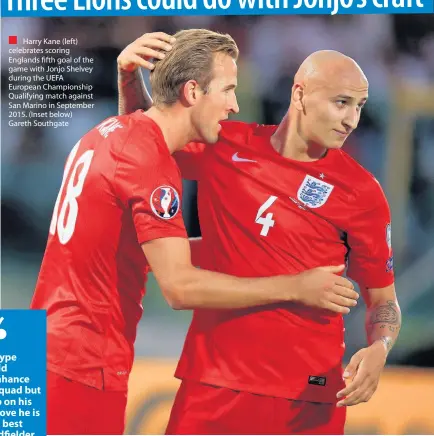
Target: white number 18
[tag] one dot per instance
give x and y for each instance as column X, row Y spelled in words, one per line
column 64, row 222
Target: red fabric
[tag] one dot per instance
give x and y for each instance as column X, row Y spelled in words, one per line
column 77, row 409
column 262, row 215
column 92, row 279
column 204, row 409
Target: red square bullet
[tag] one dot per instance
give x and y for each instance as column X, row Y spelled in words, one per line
column 13, row 40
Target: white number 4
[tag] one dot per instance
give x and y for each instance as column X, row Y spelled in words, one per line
column 268, row 221
column 64, row 222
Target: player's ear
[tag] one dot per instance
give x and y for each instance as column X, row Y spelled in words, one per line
column 190, row 93
column 297, row 95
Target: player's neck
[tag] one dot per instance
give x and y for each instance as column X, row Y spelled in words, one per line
column 172, row 125
column 288, row 142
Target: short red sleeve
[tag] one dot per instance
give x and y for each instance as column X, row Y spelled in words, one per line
column 190, row 160
column 148, row 183
column 369, row 240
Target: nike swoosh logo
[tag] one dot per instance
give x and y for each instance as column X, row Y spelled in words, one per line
column 236, row 158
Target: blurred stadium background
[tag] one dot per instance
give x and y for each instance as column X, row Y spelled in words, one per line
column 395, row 141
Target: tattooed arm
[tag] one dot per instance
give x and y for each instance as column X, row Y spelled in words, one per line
column 383, row 316
column 383, row 322
column 133, row 94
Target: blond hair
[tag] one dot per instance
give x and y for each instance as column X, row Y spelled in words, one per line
column 191, row 58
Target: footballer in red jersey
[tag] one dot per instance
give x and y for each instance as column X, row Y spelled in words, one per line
column 284, row 199
column 117, row 215
column 92, row 276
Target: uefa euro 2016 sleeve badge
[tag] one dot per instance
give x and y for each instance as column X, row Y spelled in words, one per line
column 165, row 202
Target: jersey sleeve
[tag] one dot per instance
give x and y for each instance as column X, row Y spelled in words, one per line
column 149, row 185
column 370, row 261
column 191, row 160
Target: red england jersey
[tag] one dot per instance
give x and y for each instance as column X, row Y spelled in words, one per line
column 121, row 188
column 261, row 215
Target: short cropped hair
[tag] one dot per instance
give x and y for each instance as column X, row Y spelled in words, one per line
column 191, row 58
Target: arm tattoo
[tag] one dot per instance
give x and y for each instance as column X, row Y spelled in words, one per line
column 390, row 328
column 131, row 90
column 387, row 314
column 384, row 323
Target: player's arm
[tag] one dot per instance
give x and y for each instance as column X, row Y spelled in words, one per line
column 140, row 176
column 195, row 249
column 371, row 265
column 186, row 287
column 133, row 94
column 383, row 322
column 383, row 316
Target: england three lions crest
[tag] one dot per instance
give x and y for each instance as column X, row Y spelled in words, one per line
column 314, row 192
